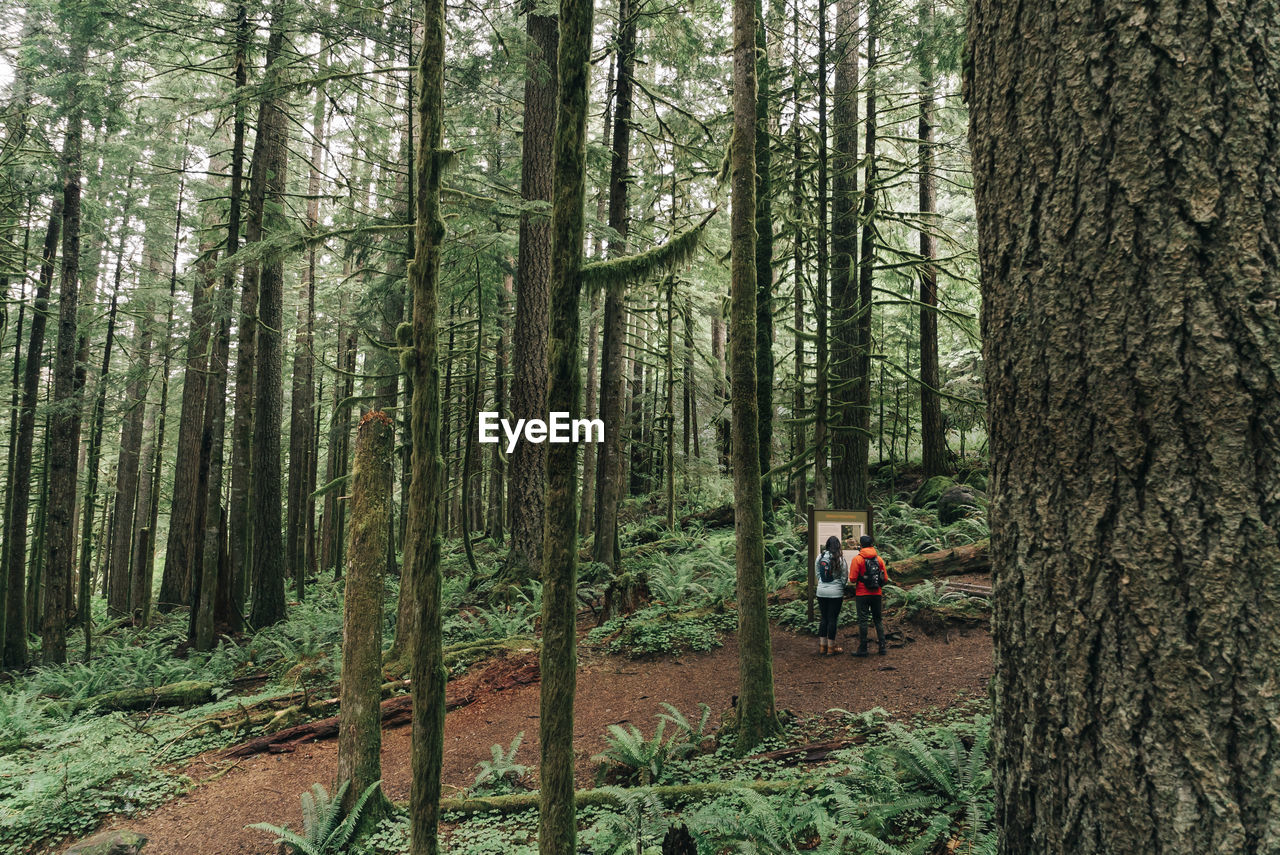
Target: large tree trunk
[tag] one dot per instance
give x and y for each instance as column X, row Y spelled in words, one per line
column 228, row 604
column 932, row 434
column 185, row 510
column 495, row 526
column 64, row 419
column 17, row 614
column 360, row 721
column 302, row 388
column 799, row 448
column 822, row 347
column 764, row 270
column 557, row 825
column 591, row 409
column 756, row 716
column 266, row 604
column 529, row 385
column 422, row 541
column 842, row 347
column 1128, row 223
column 609, row 464
column 207, row 589
column 860, row 442
column 724, row 438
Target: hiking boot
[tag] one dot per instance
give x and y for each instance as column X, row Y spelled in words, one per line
column 861, row 651
column 884, row 648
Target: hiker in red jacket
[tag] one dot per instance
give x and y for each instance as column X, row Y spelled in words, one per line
column 868, row 574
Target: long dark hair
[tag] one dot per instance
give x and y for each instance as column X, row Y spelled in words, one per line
column 833, row 546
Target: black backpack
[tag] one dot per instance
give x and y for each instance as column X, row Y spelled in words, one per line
column 826, row 568
column 872, row 577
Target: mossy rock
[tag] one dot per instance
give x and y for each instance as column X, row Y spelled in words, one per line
column 110, row 843
column 957, row 502
column 931, row 490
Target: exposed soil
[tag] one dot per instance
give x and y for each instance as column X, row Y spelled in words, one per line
column 925, row 673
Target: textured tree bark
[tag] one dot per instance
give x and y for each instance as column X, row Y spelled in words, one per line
column 821, row 345
column 756, row 717
column 422, row 541
column 609, row 465
column 842, row 346
column 856, row 472
column 360, row 718
column 764, row 269
column 64, row 418
column 185, row 517
column 933, row 439
column 533, row 278
column 301, row 386
column 127, row 472
column 724, row 439
column 557, row 826
column 94, row 455
column 799, row 448
column 495, row 525
column 17, row 613
column 1129, row 224
column 215, row 556
column 12, row 588
column 144, row 541
column 266, row 604
column 591, row 408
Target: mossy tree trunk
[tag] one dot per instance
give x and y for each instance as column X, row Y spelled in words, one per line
column 557, row 827
column 756, row 716
column 422, row 541
column 360, row 716
column 1128, row 227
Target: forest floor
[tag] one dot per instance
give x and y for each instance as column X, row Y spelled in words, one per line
column 924, row 674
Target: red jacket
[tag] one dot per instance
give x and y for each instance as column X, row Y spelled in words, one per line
column 855, row 571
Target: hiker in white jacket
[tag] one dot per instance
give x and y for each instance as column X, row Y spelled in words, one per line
column 831, row 570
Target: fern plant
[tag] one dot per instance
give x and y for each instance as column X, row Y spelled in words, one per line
column 499, row 775
column 325, row 830
column 688, row 737
column 634, row 829
column 22, row 716
column 643, row 761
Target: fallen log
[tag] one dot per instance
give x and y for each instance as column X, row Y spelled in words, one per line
column 394, row 711
column 713, row 517
column 184, row 694
column 973, row 558
column 612, row 796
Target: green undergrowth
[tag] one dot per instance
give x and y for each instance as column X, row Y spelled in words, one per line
column 922, row 786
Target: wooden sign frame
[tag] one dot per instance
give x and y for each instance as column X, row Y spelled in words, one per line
column 848, row 525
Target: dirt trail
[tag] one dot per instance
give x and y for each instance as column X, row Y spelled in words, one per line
column 925, row 673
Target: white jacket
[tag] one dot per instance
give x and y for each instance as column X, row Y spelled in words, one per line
column 836, row 588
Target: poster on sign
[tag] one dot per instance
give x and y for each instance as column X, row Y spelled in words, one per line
column 848, row 525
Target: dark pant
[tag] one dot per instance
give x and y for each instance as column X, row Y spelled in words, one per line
column 829, row 610
column 869, row 610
